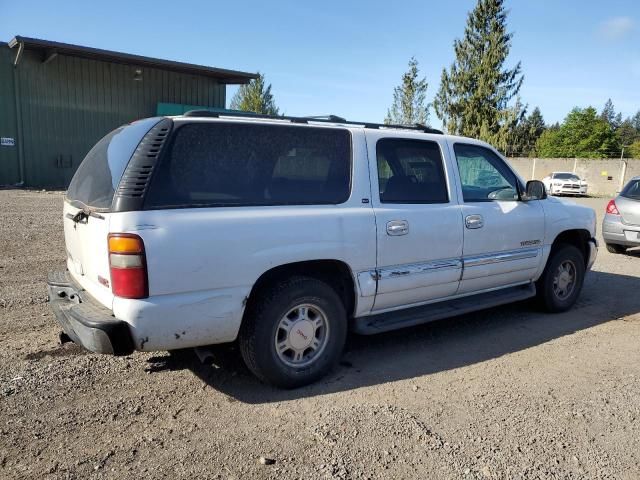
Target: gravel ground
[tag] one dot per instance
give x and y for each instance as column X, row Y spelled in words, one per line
column 504, row 393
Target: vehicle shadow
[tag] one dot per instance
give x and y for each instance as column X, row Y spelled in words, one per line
column 426, row 349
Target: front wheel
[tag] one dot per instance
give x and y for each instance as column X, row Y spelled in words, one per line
column 294, row 333
column 560, row 284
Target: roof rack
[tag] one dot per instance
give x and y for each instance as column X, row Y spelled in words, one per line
column 314, row 119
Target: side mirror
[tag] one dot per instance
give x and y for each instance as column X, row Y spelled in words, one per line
column 535, row 191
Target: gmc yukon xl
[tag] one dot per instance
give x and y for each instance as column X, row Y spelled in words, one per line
column 283, row 233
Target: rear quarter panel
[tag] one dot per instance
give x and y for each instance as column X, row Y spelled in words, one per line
column 203, row 262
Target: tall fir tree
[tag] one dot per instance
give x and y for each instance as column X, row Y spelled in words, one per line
column 608, row 113
column 636, row 121
column 409, row 105
column 526, row 134
column 476, row 92
column 255, row 97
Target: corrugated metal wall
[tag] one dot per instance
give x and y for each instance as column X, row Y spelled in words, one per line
column 9, row 166
column 69, row 103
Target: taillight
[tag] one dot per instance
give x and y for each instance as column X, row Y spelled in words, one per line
column 612, row 209
column 128, row 266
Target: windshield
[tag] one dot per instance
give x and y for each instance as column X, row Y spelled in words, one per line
column 97, row 177
column 632, row 190
column 566, row 176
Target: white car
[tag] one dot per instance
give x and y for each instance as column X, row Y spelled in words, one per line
column 565, row 183
column 282, row 233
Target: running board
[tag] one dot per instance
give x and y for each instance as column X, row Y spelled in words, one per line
column 410, row 317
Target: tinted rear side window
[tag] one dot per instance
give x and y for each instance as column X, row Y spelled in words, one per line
column 632, row 190
column 220, row 164
column 96, row 180
column 410, row 171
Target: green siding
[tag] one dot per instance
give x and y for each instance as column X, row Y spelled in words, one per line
column 69, row 103
column 9, row 166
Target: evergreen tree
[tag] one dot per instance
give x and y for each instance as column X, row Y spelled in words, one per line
column 255, row 97
column 409, row 99
column 582, row 134
column 526, row 134
column 608, row 113
column 626, row 133
column 636, row 121
column 476, row 93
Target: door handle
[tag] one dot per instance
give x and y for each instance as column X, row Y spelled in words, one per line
column 397, row 227
column 474, row 221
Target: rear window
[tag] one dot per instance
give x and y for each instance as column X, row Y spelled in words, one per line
column 632, row 190
column 96, row 180
column 220, row 164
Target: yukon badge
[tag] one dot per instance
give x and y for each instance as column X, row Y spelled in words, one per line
column 527, row 243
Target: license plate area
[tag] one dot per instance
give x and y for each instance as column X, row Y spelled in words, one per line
column 632, row 235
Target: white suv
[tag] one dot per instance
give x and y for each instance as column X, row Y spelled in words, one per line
column 283, row 233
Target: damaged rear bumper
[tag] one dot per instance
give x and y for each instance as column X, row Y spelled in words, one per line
column 84, row 320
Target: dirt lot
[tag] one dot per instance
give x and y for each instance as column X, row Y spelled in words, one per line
column 505, row 393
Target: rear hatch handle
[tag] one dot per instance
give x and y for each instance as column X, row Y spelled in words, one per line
column 83, row 215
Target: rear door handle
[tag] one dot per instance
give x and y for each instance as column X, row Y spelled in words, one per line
column 474, row 221
column 397, row 227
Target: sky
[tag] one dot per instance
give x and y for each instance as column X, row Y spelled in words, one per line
column 345, row 57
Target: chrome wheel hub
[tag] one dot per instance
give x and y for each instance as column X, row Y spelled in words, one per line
column 564, row 280
column 302, row 335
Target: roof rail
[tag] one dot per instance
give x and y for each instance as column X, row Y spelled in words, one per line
column 313, row 119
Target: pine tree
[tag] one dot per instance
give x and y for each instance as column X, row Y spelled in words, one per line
column 527, row 133
column 608, row 113
column 636, row 121
column 476, row 93
column 255, row 97
column 409, row 99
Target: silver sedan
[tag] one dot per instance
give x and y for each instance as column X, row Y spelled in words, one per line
column 621, row 224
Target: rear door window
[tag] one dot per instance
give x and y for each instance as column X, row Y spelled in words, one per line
column 410, row 171
column 96, row 180
column 231, row 164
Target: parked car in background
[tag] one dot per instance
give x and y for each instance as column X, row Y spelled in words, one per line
column 282, row 233
column 564, row 183
column 621, row 224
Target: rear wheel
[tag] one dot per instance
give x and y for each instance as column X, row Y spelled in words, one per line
column 615, row 248
column 294, row 332
column 560, row 284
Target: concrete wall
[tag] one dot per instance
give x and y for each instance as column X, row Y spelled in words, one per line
column 604, row 175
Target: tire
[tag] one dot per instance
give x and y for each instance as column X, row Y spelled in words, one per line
column 556, row 291
column 277, row 322
column 615, row 248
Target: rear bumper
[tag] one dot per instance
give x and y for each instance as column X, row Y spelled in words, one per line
column 84, row 320
column 616, row 232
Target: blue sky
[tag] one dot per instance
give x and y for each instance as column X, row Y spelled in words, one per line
column 345, row 57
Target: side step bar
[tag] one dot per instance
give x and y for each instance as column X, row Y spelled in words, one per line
column 410, row 317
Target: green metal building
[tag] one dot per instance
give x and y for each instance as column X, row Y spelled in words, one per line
column 57, row 100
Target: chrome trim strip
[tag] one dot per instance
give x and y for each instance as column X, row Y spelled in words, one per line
column 419, row 268
column 443, row 299
column 521, row 254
